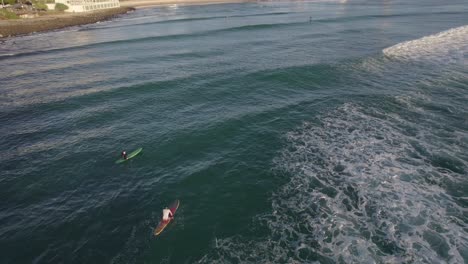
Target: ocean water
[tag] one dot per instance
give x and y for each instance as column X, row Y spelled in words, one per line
column 291, row 132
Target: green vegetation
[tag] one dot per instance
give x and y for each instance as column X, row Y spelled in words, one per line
column 40, row 5
column 9, row 2
column 5, row 14
column 60, row 7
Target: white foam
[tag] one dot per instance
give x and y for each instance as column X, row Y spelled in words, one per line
column 356, row 195
column 450, row 46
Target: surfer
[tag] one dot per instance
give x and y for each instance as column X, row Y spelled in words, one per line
column 167, row 214
column 124, row 155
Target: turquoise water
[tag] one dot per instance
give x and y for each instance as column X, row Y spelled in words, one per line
column 291, row 132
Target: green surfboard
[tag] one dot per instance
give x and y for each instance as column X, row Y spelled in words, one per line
column 129, row 156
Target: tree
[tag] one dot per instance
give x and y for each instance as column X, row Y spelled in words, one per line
column 60, row 7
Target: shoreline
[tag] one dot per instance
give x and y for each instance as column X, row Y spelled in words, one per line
column 19, row 27
column 139, row 4
column 25, row 26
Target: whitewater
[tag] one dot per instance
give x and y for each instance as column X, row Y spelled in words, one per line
column 290, row 131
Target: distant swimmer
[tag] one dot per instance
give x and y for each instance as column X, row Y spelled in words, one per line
column 124, row 155
column 167, row 214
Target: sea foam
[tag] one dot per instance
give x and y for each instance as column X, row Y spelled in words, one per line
column 362, row 191
column 450, row 46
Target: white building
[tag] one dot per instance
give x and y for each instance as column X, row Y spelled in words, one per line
column 88, row 5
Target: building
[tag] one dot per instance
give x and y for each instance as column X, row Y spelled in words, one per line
column 88, row 5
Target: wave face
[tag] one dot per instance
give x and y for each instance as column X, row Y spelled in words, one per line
column 450, row 46
column 362, row 190
column 383, row 182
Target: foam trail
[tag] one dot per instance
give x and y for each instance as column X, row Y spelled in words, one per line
column 361, row 191
column 450, row 46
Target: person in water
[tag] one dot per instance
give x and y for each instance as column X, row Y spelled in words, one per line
column 167, row 214
column 124, row 155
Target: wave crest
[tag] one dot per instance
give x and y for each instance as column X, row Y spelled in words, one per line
column 450, row 46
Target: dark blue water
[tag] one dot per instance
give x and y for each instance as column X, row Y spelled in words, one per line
column 291, row 132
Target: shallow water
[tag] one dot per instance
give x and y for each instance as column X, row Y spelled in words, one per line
column 292, row 132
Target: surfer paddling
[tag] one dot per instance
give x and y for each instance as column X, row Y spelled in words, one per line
column 124, row 155
column 167, row 214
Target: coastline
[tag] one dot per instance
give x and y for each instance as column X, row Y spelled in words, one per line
column 18, row 27
column 138, row 4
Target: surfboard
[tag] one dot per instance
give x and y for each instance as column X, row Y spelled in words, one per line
column 129, row 156
column 162, row 224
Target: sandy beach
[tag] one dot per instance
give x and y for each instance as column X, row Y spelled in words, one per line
column 16, row 27
column 149, row 3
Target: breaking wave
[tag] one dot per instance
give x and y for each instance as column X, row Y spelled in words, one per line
column 362, row 189
column 450, row 46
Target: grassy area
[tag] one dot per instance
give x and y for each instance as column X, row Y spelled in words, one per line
column 5, row 14
column 60, row 7
column 40, row 5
